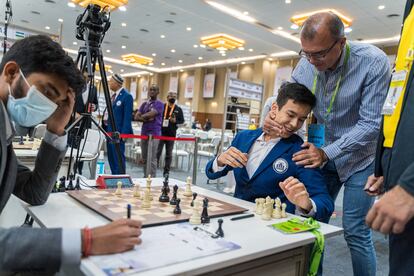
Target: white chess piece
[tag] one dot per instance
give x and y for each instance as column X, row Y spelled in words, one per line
column 260, row 208
column 188, row 191
column 277, row 211
column 283, row 214
column 267, row 211
column 137, row 193
column 149, row 182
column 257, row 204
column 146, row 203
column 119, row 188
column 195, row 218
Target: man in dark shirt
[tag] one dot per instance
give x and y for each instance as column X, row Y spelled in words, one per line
column 172, row 116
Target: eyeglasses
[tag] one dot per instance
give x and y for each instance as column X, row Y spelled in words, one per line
column 319, row 55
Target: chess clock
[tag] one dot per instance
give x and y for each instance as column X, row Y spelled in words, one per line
column 109, row 181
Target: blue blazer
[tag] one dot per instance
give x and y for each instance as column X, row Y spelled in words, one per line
column 276, row 167
column 122, row 107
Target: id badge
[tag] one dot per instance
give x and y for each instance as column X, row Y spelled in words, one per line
column 394, row 92
column 316, row 135
column 165, row 123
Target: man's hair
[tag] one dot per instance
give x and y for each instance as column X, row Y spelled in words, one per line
column 40, row 54
column 315, row 21
column 296, row 92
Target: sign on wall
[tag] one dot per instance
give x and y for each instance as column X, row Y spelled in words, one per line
column 245, row 90
column 189, row 87
column 173, row 84
column 133, row 89
column 144, row 90
column 208, row 87
column 283, row 74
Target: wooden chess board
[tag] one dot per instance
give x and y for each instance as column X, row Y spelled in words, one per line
column 113, row 207
column 27, row 145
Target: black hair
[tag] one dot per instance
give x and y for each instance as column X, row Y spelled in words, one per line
column 315, row 21
column 296, row 92
column 40, row 54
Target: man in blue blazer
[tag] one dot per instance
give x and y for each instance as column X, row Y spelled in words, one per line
column 122, row 104
column 263, row 165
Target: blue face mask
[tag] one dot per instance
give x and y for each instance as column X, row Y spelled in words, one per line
column 32, row 109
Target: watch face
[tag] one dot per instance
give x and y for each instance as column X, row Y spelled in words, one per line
column 112, row 182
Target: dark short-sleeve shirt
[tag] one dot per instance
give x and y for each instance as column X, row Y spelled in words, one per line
column 152, row 127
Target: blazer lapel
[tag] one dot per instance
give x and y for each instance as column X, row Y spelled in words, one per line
column 281, row 147
column 3, row 144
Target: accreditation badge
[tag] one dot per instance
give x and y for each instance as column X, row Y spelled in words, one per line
column 394, row 92
column 316, row 135
column 165, row 122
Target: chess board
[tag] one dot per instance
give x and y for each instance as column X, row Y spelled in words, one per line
column 27, row 145
column 113, row 207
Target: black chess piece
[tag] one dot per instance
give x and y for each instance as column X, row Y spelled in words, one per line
column 55, row 188
column 62, row 184
column 177, row 209
column 166, row 184
column 21, row 140
column 70, row 185
column 173, row 200
column 77, row 186
column 194, row 197
column 204, row 215
column 219, row 231
column 164, row 194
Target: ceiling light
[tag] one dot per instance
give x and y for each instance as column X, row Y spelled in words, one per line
column 243, row 62
column 154, row 54
column 123, row 46
column 233, row 12
column 241, row 48
column 112, row 4
column 180, row 61
column 288, row 1
column 172, row 50
column 246, row 13
column 151, row 64
column 108, row 51
column 151, row 74
column 122, row 70
column 223, row 54
column 75, row 43
column 270, row 59
column 280, row 28
column 60, row 20
column 222, row 41
column 123, row 24
column 202, row 46
column 162, row 64
column 200, row 58
column 348, row 30
column 122, row 8
column 381, row 7
column 250, row 50
column 284, row 54
column 382, row 40
column 107, row 67
column 72, row 5
column 300, row 18
column 162, row 36
column 294, row 27
column 195, row 46
column 135, row 58
column 47, row 28
column 181, row 70
column 139, row 76
column 188, row 28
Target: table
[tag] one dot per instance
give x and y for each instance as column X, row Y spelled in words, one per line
column 263, row 251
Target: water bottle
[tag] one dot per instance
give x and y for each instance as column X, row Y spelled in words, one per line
column 100, row 165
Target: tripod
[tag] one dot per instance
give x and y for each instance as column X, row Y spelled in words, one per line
column 88, row 56
column 7, row 19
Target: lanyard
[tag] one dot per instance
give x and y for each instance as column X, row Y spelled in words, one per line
column 171, row 111
column 315, row 80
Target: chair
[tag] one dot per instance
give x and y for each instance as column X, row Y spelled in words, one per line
column 39, row 131
column 215, row 142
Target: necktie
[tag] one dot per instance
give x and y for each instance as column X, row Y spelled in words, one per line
column 113, row 97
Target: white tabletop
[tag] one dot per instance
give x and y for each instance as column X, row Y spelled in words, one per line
column 253, row 234
column 28, row 153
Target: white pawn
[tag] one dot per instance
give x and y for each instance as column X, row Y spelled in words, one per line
column 188, row 191
column 195, row 218
column 277, row 211
column 146, row 203
column 284, row 215
column 257, row 205
column 260, row 208
column 118, row 190
column 136, row 193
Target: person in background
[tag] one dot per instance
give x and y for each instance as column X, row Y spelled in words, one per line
column 207, row 125
column 39, row 82
column 172, row 118
column 150, row 114
column 350, row 81
column 122, row 104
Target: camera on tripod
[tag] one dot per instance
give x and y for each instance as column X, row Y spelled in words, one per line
column 96, row 21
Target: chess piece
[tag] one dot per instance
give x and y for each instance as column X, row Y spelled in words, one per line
column 77, row 186
column 136, row 192
column 118, row 191
column 260, row 206
column 70, row 185
column 188, row 191
column 173, row 200
column 277, row 211
column 164, row 195
column 195, row 218
column 219, row 231
column 62, row 184
column 149, row 182
column 283, row 214
column 146, row 203
column 267, row 210
column 204, row 215
column 55, row 187
column 194, row 197
column 21, row 141
column 166, row 184
column 177, row 209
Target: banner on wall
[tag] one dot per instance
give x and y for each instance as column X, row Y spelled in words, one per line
column 189, row 87
column 133, row 89
column 173, row 84
column 283, row 74
column 144, row 90
column 208, row 87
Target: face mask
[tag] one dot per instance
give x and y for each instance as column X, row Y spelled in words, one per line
column 171, row 101
column 32, row 109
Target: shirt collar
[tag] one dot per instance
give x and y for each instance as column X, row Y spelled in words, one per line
column 262, row 139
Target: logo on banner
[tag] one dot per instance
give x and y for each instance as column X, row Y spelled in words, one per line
column 280, row 165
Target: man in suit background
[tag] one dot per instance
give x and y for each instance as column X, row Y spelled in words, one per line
column 122, row 103
column 263, row 166
column 44, row 79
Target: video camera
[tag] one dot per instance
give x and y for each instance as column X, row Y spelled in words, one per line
column 96, row 21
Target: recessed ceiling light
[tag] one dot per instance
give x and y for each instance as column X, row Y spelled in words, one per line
column 250, row 50
column 172, row 50
column 200, row 58
column 294, row 27
column 72, row 5
column 162, row 36
column 195, row 46
column 60, row 20
column 181, row 70
column 188, row 28
column 122, row 8
column 151, row 74
column 139, row 76
column 151, row 64
column 280, row 28
column 223, row 54
column 162, row 64
column 246, row 13
column 154, row 54
column 180, row 61
column 348, row 30
column 108, row 51
column 288, row 1
column 123, row 24
column 75, row 43
column 270, row 59
column 122, row 70
column 123, row 46
column 202, row 46
column 47, row 28
column 381, row 7
column 243, row 62
column 241, row 48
